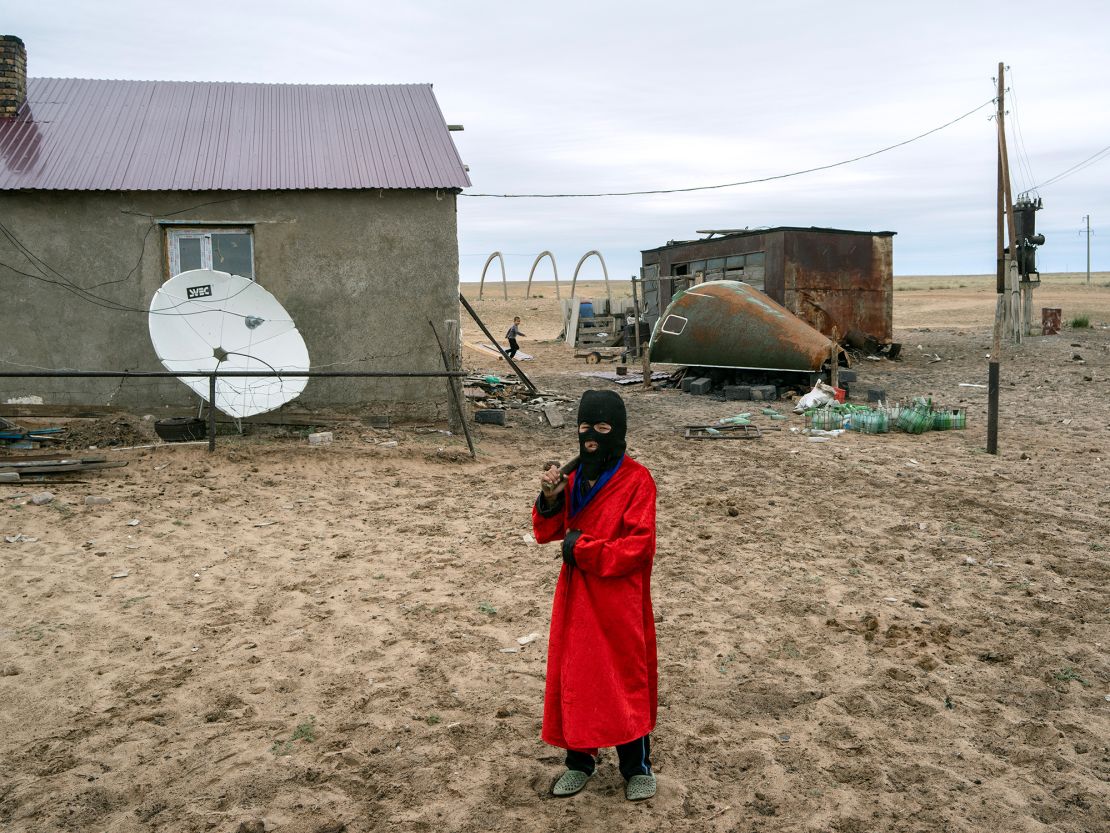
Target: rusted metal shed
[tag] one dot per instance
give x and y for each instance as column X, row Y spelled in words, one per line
column 830, row 278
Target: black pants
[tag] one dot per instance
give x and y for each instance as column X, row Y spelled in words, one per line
column 634, row 758
column 513, row 347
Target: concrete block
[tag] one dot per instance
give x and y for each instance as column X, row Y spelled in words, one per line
column 554, row 415
column 738, row 392
column 845, row 375
column 490, row 416
column 764, row 393
column 702, row 386
column 876, row 395
column 686, row 382
column 320, row 438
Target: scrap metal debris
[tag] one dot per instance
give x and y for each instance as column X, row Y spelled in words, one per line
column 630, row 378
column 16, row 436
column 723, row 432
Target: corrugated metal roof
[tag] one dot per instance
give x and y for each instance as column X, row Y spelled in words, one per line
column 81, row 134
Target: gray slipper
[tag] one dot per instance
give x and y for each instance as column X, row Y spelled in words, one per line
column 570, row 782
column 639, row 787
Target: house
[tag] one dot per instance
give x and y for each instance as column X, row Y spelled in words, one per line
column 338, row 199
column 836, row 280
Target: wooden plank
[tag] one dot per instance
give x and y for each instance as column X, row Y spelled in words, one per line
column 64, row 411
column 48, row 460
column 63, row 468
column 572, row 326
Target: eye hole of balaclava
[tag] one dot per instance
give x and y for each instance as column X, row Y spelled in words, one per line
column 601, row 406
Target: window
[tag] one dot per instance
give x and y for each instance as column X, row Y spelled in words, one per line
column 225, row 249
column 674, row 324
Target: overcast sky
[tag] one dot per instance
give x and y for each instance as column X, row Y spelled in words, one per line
column 583, row 97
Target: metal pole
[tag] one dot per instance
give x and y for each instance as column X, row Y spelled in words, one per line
column 212, row 412
column 1088, row 219
column 228, row 374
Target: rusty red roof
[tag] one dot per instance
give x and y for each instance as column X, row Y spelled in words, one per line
column 81, row 134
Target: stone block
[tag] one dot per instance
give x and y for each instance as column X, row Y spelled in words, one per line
column 764, row 393
column 490, row 416
column 876, row 395
column 321, row 438
column 702, row 386
column 554, row 415
column 686, row 382
column 738, row 392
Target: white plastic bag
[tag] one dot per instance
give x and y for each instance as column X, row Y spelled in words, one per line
column 817, row 397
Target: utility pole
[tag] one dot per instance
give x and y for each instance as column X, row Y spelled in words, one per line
column 1000, row 284
column 1087, row 220
column 1002, row 307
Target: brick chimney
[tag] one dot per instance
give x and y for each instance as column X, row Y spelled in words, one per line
column 13, row 75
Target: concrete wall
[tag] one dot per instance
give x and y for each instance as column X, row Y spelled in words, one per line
column 361, row 272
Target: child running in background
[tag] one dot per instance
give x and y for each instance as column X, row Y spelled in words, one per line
column 511, row 335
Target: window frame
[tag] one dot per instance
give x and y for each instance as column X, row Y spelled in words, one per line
column 204, row 232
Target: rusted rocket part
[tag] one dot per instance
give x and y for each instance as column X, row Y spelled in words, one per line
column 730, row 324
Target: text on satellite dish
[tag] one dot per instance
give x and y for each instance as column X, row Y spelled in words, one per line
column 199, row 291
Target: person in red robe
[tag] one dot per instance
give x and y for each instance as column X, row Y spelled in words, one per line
column 601, row 662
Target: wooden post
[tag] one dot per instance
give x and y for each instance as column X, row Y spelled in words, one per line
column 1027, row 308
column 455, row 419
column 834, row 367
column 453, row 388
column 993, row 367
column 1014, row 305
column 636, row 312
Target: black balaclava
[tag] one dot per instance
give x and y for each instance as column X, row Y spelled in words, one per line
column 601, row 406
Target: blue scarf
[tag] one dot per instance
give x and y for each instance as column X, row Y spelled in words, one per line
column 579, row 497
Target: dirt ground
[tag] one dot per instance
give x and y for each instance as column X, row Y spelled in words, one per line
column 875, row 633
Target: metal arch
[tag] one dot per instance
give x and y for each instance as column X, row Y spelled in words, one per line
column 482, row 282
column 604, row 271
column 555, row 269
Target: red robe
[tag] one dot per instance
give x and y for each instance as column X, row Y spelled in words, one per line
column 601, row 661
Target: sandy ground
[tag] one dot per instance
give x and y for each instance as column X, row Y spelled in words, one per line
column 877, row 633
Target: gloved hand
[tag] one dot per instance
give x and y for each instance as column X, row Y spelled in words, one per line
column 569, row 541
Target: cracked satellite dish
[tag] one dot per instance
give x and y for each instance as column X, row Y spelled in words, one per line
column 207, row 320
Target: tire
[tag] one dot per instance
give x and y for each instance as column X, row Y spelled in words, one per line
column 181, row 429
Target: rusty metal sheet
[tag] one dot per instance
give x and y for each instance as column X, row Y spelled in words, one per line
column 730, row 324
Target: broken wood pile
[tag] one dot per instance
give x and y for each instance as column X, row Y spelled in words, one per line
column 16, row 469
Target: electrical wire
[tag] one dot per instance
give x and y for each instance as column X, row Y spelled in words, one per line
column 743, row 182
column 97, row 300
column 1024, row 161
column 1095, row 158
column 85, row 293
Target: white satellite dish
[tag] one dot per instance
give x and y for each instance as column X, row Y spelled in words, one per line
column 208, row 320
